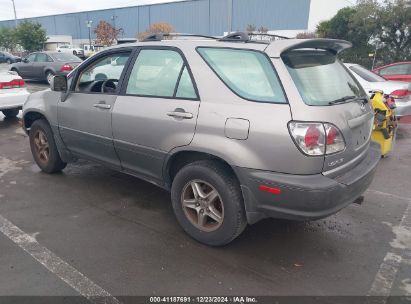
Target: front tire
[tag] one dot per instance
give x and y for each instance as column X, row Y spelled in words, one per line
column 9, row 61
column 43, row 147
column 208, row 202
column 11, row 113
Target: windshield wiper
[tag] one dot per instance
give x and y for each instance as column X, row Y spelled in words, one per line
column 346, row 99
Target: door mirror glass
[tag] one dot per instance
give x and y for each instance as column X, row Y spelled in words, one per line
column 25, row 60
column 59, row 83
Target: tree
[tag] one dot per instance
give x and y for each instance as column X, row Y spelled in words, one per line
column 106, row 34
column 251, row 28
column 8, row 38
column 306, row 35
column 372, row 26
column 394, row 31
column 156, row 28
column 30, row 35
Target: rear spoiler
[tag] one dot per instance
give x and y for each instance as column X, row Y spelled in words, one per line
column 279, row 47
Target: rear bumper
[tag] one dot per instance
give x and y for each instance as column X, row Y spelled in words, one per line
column 305, row 197
column 13, row 99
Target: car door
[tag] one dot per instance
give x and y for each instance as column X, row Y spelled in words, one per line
column 85, row 115
column 155, row 112
column 39, row 66
column 2, row 57
column 25, row 67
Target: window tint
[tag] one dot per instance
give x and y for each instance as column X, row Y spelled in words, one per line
column 31, row 57
column 108, row 67
column 366, row 74
column 320, row 77
column 41, row 57
column 400, row 69
column 248, row 73
column 157, row 72
column 65, row 57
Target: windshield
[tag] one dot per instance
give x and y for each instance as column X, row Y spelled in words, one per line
column 365, row 74
column 320, row 77
column 65, row 57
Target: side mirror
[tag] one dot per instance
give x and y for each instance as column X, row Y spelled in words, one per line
column 59, row 83
column 25, row 60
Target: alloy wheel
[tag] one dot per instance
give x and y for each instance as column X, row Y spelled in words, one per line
column 41, row 146
column 202, row 205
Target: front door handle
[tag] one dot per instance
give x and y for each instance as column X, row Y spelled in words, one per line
column 180, row 113
column 102, row 106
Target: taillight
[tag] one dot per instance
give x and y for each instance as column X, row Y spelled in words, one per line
column 66, row 67
column 317, row 138
column 400, row 93
column 335, row 140
column 15, row 83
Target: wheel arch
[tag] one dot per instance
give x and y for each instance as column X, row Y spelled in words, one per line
column 30, row 117
column 181, row 158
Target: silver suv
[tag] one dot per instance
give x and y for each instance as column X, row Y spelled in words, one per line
column 236, row 130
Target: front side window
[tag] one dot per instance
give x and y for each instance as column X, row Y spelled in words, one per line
column 320, row 77
column 31, row 57
column 160, row 73
column 107, row 68
column 248, row 73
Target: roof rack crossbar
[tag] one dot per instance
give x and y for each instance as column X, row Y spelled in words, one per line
column 154, row 37
column 160, row 36
column 269, row 35
column 237, row 36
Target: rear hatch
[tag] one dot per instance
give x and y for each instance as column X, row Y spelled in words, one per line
column 329, row 94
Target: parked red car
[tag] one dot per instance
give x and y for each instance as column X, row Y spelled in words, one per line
column 400, row 71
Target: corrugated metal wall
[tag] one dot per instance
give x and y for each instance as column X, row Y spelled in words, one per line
column 194, row 16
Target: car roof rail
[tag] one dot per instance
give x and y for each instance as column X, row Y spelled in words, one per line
column 236, row 37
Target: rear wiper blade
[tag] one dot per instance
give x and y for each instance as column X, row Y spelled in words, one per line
column 348, row 99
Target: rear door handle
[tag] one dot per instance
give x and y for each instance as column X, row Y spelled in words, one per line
column 102, row 106
column 180, row 114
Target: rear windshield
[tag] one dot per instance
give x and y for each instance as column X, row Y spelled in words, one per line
column 366, row 74
column 247, row 73
column 320, row 77
column 65, row 57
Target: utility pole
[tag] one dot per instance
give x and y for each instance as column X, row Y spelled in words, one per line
column 88, row 23
column 230, row 16
column 15, row 14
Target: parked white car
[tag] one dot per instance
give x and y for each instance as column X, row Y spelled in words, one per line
column 13, row 93
column 67, row 48
column 399, row 90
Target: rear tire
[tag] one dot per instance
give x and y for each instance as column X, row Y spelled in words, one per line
column 224, row 221
column 49, row 76
column 11, row 113
column 43, row 147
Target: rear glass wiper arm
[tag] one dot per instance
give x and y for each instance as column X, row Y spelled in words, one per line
column 348, row 99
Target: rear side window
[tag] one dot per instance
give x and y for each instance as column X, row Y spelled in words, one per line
column 320, row 77
column 160, row 73
column 247, row 73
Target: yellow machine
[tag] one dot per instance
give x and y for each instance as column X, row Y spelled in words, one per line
column 385, row 122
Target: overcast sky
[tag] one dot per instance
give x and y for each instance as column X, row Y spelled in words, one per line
column 34, row 8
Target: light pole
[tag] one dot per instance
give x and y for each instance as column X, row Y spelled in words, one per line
column 15, row 14
column 89, row 22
